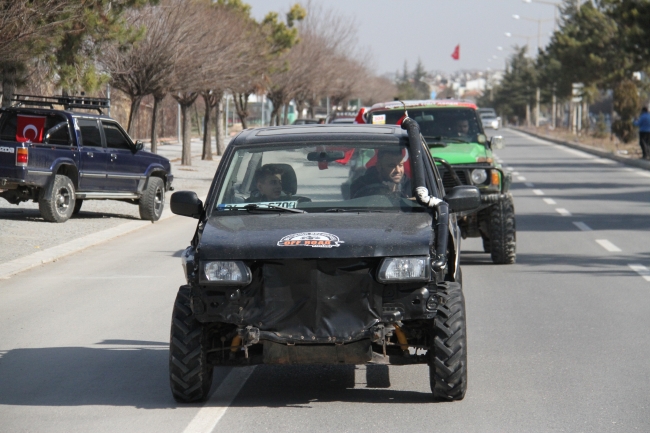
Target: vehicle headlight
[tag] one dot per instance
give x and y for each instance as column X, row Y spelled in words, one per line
column 404, row 269
column 479, row 176
column 226, row 272
column 495, row 124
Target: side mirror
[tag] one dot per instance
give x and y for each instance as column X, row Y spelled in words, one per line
column 497, row 142
column 460, row 198
column 186, row 203
column 139, row 145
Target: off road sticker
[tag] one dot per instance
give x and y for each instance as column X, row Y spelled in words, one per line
column 310, row 239
column 379, row 119
column 6, row 150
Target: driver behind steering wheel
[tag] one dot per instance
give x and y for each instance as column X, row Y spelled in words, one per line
column 385, row 178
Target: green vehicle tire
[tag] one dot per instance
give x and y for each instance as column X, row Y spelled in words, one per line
column 503, row 233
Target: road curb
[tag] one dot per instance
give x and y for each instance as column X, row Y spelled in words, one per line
column 638, row 163
column 8, row 269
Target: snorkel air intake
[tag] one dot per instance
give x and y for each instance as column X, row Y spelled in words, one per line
column 421, row 193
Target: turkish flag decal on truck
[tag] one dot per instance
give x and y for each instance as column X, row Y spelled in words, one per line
column 30, row 128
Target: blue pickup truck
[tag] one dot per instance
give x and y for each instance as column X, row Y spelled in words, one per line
column 59, row 158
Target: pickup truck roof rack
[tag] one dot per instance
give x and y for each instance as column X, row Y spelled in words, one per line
column 68, row 102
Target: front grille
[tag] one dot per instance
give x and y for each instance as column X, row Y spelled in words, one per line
column 448, row 180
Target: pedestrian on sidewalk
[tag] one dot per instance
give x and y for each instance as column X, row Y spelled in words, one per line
column 643, row 122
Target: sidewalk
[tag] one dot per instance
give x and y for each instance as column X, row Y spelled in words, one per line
column 633, row 162
column 28, row 241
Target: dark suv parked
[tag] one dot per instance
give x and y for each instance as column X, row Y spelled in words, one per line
column 59, row 158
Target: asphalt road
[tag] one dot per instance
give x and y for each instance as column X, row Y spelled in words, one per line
column 557, row 342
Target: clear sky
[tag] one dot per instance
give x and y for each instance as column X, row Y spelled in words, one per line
column 405, row 30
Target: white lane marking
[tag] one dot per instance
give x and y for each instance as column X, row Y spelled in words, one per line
column 608, row 245
column 538, row 192
column 521, row 178
column 643, row 173
column 563, row 212
column 510, row 169
column 604, row 161
column 530, row 184
column 628, row 169
column 515, row 173
column 641, row 270
column 582, row 226
column 550, row 201
column 211, row 413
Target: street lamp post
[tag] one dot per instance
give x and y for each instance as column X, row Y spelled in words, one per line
column 539, row 22
column 555, row 9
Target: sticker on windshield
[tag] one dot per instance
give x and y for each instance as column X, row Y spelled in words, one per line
column 379, row 119
column 311, row 239
column 284, row 204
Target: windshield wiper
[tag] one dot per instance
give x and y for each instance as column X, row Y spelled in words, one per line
column 270, row 207
column 439, row 140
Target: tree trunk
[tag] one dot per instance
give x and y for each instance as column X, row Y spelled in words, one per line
column 220, row 130
column 157, row 102
column 241, row 105
column 135, row 107
column 186, row 157
column 300, row 107
column 8, row 85
column 285, row 121
column 207, row 138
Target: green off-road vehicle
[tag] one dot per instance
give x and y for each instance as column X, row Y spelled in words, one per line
column 455, row 137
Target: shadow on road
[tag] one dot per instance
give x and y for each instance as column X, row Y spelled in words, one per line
column 34, row 215
column 134, row 373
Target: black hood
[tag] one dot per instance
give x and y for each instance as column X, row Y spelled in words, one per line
column 316, row 235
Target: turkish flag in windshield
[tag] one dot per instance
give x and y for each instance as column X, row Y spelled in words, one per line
column 30, row 128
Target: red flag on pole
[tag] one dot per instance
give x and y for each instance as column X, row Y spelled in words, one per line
column 456, row 54
column 30, row 128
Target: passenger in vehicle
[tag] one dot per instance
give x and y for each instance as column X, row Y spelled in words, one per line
column 268, row 181
column 386, row 177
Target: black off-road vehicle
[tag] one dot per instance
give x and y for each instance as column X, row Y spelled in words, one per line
column 283, row 269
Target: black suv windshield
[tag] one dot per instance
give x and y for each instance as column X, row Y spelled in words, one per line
column 327, row 177
column 439, row 124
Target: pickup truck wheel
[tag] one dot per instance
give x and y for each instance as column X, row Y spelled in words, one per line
column 77, row 206
column 503, row 234
column 448, row 357
column 57, row 207
column 152, row 201
column 190, row 374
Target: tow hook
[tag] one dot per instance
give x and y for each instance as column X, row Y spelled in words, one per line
column 248, row 336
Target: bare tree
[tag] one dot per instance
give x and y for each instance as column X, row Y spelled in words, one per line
column 26, row 29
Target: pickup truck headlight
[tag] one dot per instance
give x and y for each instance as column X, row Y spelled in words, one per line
column 394, row 269
column 479, row 176
column 226, row 272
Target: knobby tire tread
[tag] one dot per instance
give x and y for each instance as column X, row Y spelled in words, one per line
column 503, row 231
column 190, row 373
column 448, row 362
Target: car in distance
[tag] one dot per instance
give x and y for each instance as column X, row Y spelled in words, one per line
column 282, row 269
column 59, row 158
column 489, row 121
column 457, row 141
column 305, row 121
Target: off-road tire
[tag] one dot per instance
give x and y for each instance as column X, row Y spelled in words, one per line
column 152, row 201
column 77, row 206
column 190, row 374
column 503, row 232
column 58, row 205
column 448, row 358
